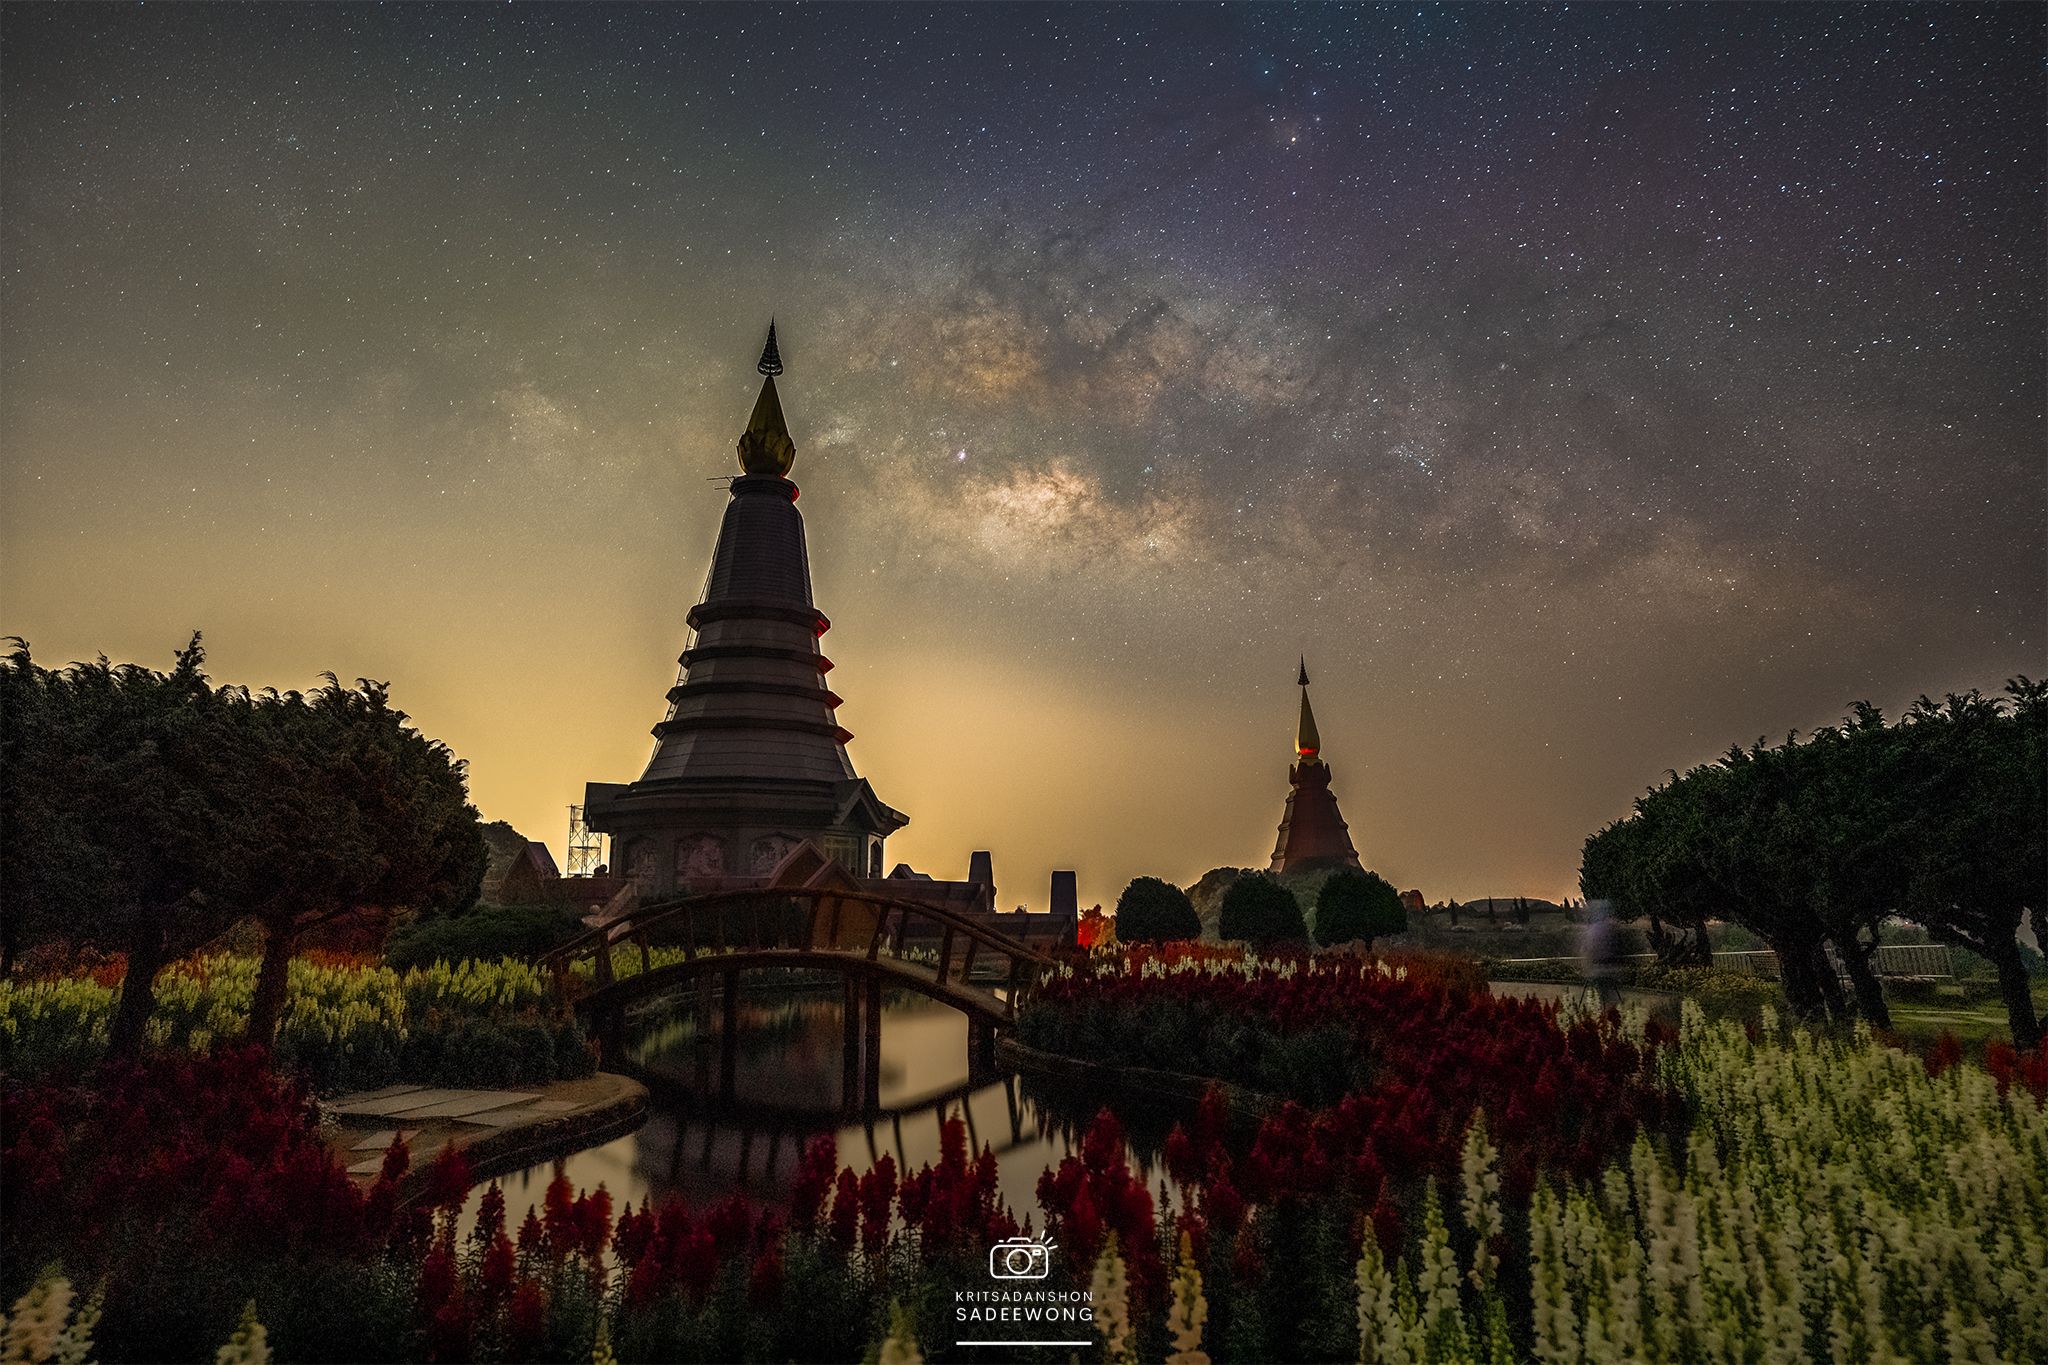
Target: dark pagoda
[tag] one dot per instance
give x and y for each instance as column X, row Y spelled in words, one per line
column 750, row 762
column 1312, row 831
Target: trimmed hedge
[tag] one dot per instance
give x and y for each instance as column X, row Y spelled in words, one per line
column 1358, row 905
column 1259, row 910
column 485, row 932
column 1723, row 994
column 1153, row 911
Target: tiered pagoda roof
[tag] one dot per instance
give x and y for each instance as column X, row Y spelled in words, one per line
column 750, row 738
column 1312, row 830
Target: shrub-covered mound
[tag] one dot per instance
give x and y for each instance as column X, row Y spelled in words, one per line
column 1409, row 1047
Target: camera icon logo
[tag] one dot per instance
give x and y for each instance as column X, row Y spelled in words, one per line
column 1020, row 1258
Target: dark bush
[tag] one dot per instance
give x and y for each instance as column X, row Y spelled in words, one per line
column 1153, row 911
column 1721, row 993
column 487, row 931
column 1358, row 905
column 1258, row 910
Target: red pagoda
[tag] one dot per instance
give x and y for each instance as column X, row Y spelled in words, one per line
column 1312, row 831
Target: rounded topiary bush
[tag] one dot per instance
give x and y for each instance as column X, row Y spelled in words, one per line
column 1259, row 910
column 484, row 931
column 1153, row 911
column 1359, row 906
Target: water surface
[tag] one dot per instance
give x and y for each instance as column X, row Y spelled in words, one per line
column 787, row 1085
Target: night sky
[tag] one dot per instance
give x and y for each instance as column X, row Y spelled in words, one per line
column 1580, row 389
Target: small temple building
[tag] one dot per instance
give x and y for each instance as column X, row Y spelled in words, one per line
column 1312, row 830
column 750, row 761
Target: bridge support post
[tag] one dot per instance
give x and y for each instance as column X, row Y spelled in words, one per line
column 850, row 1073
column 705, row 986
column 609, row 1028
column 871, row 1047
column 981, row 1049
column 728, row 1032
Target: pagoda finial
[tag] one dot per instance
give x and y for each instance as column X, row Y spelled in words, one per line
column 765, row 447
column 1307, row 743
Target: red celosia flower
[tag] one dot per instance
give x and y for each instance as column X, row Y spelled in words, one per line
column 499, row 1264
column 1945, row 1053
column 526, row 1322
column 558, row 1215
column 448, row 1335
column 2008, row 1065
column 437, row 1281
column 845, row 1212
column 731, row 1221
column 633, row 1233
column 490, row 1216
column 448, row 1180
column 877, row 1196
column 696, row 1262
column 531, row 1234
column 814, row 1173
column 764, row 1279
column 592, row 1216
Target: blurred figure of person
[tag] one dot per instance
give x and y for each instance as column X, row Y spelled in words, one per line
column 1600, row 954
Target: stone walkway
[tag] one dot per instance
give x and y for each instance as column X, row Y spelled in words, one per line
column 488, row 1123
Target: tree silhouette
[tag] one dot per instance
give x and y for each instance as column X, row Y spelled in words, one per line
column 125, row 808
column 1153, row 911
column 1977, row 855
column 1258, row 910
column 366, row 815
column 1941, row 817
column 146, row 812
column 1359, row 906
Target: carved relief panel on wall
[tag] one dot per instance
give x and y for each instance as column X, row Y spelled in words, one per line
column 700, row 856
column 768, row 850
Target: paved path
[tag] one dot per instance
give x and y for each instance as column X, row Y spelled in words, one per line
column 431, row 1117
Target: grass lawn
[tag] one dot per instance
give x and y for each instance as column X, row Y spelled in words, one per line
column 1920, row 1023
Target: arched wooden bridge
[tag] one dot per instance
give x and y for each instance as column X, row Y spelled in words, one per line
column 872, row 942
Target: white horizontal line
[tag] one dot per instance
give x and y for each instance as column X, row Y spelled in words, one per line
column 1025, row 1343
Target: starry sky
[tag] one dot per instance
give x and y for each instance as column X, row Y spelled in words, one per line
column 1580, row 388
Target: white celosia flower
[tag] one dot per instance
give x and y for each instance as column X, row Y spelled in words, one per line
column 900, row 1346
column 250, row 1345
column 1481, row 1198
column 1188, row 1312
column 1112, row 1300
column 32, row 1333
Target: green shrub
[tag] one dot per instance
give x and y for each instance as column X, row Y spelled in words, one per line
column 347, row 1026
column 1258, row 910
column 1536, row 969
column 487, row 931
column 1358, row 905
column 1153, row 911
column 1721, row 993
column 1958, row 992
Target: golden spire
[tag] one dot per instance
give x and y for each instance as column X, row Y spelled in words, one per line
column 1307, row 743
column 765, row 447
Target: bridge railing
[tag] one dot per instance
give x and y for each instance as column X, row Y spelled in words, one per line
column 1892, row 960
column 959, row 952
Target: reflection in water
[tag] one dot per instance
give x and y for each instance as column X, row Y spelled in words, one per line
column 787, row 1089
